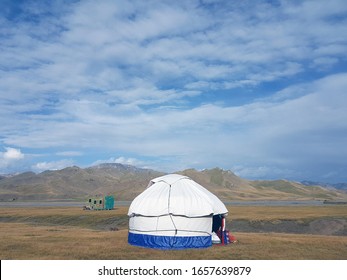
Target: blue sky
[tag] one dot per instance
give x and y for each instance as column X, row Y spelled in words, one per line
column 256, row 87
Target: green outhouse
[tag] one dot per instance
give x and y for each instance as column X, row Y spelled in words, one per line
column 108, row 202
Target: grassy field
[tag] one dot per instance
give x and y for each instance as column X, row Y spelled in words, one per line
column 71, row 233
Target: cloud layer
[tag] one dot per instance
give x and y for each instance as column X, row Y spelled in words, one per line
column 10, row 158
column 259, row 88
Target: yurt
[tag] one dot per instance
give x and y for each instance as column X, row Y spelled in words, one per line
column 174, row 212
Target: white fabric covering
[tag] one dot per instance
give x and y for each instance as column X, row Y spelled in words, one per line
column 174, row 205
column 171, row 226
column 178, row 195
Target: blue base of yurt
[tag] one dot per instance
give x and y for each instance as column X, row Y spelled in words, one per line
column 169, row 242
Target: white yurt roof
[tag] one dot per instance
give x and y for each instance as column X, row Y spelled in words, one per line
column 177, row 195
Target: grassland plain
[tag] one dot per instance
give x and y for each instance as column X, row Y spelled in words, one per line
column 71, row 233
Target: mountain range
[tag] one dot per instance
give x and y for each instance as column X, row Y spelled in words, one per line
column 339, row 186
column 125, row 182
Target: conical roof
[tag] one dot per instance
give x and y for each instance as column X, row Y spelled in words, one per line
column 177, row 195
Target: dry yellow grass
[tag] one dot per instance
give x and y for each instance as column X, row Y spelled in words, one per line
column 65, row 233
column 269, row 213
column 20, row 241
column 235, row 212
column 59, row 211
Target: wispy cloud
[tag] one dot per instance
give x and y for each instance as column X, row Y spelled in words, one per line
column 122, row 160
column 52, row 165
column 203, row 83
column 69, row 153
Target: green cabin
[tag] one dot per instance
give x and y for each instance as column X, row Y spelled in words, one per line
column 100, row 203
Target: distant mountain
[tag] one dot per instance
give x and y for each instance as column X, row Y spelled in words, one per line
column 338, row 186
column 125, row 182
column 228, row 186
column 118, row 167
column 3, row 176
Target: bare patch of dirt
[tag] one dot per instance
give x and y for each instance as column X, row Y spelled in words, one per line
column 329, row 226
column 320, row 226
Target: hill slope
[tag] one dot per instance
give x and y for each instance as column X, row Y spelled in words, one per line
column 125, row 182
column 227, row 186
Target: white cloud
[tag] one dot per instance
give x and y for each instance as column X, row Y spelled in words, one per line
column 10, row 159
column 157, row 44
column 12, row 154
column 52, row 165
column 122, row 160
column 146, row 79
column 285, row 132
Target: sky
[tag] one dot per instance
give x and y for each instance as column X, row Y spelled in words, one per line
column 255, row 87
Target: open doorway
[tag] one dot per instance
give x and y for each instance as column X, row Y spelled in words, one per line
column 217, row 223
